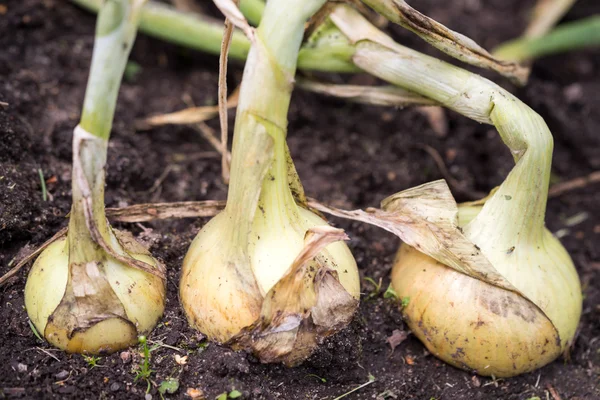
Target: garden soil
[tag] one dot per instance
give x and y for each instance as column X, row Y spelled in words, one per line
column 348, row 155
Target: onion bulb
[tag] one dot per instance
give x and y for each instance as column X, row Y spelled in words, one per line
column 93, row 308
column 475, row 325
column 96, row 290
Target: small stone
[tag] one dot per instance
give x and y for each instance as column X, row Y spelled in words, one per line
column 195, row 394
column 62, row 375
column 115, row 387
column 22, row 367
column 125, row 357
column 148, row 396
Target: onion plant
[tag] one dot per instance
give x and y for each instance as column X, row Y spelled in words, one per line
column 265, row 274
column 510, row 302
column 96, row 290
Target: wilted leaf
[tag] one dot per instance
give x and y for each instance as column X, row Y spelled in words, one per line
column 306, row 305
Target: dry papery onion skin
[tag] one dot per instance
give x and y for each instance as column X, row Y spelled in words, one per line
column 472, row 324
column 138, row 296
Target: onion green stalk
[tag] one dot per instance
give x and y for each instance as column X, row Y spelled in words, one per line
column 570, row 36
column 252, row 10
column 264, row 274
column 97, row 289
column 182, row 28
column 332, row 53
column 518, row 308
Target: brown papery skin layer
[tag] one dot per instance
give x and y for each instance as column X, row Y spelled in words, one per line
column 471, row 324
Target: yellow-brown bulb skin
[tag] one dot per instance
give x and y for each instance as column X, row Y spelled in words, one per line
column 469, row 323
column 141, row 295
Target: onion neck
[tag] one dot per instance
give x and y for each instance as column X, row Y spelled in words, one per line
column 276, row 197
column 91, row 158
column 263, row 106
column 116, row 29
column 515, row 213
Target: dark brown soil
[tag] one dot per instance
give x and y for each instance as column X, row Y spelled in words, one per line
column 348, row 155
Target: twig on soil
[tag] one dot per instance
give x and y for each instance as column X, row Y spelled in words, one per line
column 553, row 392
column 159, row 344
column 3, row 104
column 373, row 95
column 46, row 352
column 573, row 184
column 190, row 115
column 135, row 213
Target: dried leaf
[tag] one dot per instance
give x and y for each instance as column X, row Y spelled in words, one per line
column 375, row 95
column 188, row 116
column 452, row 43
column 426, row 218
column 154, row 211
column 306, row 305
